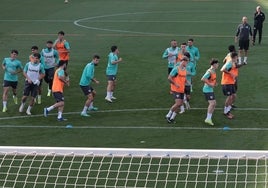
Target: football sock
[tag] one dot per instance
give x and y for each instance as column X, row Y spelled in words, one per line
column 50, row 108
column 209, row 115
column 169, row 114
column 173, row 115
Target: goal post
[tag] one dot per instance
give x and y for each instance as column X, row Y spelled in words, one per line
column 131, row 167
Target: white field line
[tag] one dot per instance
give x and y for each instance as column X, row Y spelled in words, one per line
column 127, row 110
column 132, row 127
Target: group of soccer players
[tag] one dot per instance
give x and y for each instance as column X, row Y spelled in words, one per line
column 50, row 64
column 182, row 63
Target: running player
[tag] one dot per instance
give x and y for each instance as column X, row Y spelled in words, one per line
column 11, row 66
column 177, row 78
column 34, row 72
column 59, row 81
column 111, row 71
column 210, row 81
column 51, row 59
column 85, row 84
column 63, row 47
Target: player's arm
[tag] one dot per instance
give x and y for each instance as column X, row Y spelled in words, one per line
column 42, row 72
column 116, row 61
column 62, row 77
column 165, row 54
column 57, row 57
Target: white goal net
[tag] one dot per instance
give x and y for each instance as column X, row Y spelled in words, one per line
column 48, row 167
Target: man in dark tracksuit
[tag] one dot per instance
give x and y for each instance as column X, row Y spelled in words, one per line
column 244, row 34
column 259, row 18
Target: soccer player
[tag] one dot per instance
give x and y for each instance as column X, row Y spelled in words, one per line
column 34, row 50
column 244, row 33
column 229, row 75
column 259, row 18
column 177, row 78
column 60, row 80
column 191, row 71
column 228, row 58
column 210, row 81
column 11, row 66
column 194, row 51
column 85, row 84
column 111, row 71
column 195, row 54
column 63, row 47
column 51, row 58
column 34, row 72
column 171, row 54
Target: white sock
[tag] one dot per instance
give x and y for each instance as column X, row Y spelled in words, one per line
column 91, row 105
column 59, row 114
column 169, row 114
column 209, row 115
column 85, row 109
column 182, row 108
column 229, row 108
column 108, row 94
column 50, row 108
column 239, row 59
column 39, row 96
column 29, row 108
column 173, row 115
column 4, row 103
column 245, row 59
column 225, row 110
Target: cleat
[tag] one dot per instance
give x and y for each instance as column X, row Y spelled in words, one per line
column 4, row 109
column 84, row 114
column 113, row 98
column 93, row 108
column 168, row 119
column 61, row 119
column 15, row 99
column 229, row 115
column 21, row 108
column 108, row 99
column 49, row 93
column 171, row 121
column 245, row 63
column 39, row 100
column 28, row 113
column 209, row 121
column 45, row 112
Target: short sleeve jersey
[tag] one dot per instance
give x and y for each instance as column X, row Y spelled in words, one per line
column 112, row 68
column 87, row 75
column 11, row 65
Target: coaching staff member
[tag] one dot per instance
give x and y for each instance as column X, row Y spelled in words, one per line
column 244, row 33
column 259, row 18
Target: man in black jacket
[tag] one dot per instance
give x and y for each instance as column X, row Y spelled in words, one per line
column 259, row 18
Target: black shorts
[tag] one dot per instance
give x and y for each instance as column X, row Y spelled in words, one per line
column 87, row 89
column 30, row 89
column 111, row 77
column 58, row 96
column 210, row 96
column 228, row 89
column 10, row 84
column 49, row 74
column 243, row 44
column 177, row 95
column 187, row 90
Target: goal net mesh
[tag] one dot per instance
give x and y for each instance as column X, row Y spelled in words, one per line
column 111, row 167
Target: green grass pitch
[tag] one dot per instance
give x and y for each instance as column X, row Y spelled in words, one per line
column 142, row 30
